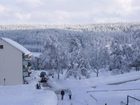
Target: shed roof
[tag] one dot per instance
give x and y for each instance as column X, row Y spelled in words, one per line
column 17, row 45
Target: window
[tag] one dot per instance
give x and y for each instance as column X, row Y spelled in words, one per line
column 1, row 46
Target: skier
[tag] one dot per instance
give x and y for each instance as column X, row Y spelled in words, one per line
column 62, row 94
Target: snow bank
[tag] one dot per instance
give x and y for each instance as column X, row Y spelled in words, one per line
column 118, row 79
column 99, row 81
column 26, row 95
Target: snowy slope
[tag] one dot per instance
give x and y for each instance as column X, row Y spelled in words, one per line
column 115, row 94
column 98, row 91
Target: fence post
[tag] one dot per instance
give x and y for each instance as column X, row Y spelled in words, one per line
column 127, row 100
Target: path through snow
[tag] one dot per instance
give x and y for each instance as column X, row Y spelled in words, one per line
column 102, row 91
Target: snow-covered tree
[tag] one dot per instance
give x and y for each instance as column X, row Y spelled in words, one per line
column 116, row 57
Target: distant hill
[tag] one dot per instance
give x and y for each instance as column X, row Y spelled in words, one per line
column 89, row 27
column 33, row 37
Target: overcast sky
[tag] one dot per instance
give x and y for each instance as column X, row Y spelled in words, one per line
column 68, row 11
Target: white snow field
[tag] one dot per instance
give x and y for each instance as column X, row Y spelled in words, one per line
column 26, row 95
column 111, row 90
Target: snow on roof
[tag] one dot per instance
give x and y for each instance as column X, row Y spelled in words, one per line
column 17, row 45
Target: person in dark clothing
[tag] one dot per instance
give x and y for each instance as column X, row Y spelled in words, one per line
column 62, row 94
column 38, row 86
column 70, row 96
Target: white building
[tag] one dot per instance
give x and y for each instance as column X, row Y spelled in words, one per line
column 14, row 62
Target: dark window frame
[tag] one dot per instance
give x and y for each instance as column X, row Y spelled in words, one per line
column 1, row 46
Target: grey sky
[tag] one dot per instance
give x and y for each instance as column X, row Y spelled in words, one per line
column 68, row 11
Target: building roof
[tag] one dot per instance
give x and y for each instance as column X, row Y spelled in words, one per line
column 17, row 45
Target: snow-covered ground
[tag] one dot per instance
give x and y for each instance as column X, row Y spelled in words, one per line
column 98, row 91
column 26, row 95
column 111, row 90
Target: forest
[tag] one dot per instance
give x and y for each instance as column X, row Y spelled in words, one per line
column 80, row 50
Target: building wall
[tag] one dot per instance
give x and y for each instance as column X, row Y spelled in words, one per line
column 10, row 65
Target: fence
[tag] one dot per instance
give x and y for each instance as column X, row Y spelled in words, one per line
column 136, row 101
column 134, row 98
